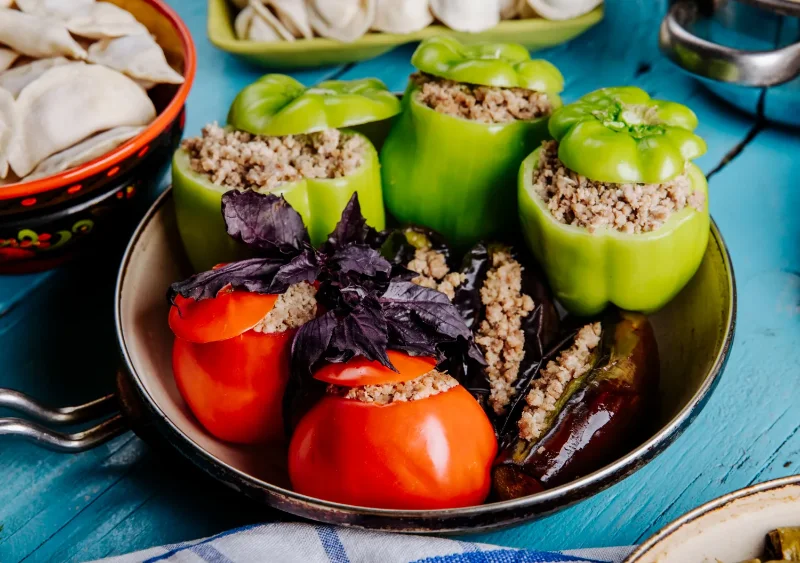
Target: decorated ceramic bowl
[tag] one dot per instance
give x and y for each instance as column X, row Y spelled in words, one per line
column 46, row 221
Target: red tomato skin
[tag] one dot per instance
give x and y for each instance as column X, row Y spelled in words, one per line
column 432, row 453
column 235, row 387
column 229, row 314
column 360, row 371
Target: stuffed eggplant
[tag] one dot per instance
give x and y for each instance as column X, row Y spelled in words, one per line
column 285, row 139
column 613, row 209
column 589, row 404
column 513, row 318
column 470, row 116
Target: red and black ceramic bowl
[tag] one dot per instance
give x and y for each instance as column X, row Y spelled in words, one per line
column 45, row 222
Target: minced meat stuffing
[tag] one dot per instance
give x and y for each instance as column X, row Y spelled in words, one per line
column 629, row 208
column 292, row 309
column 239, row 160
column 427, row 385
column 545, row 391
column 434, row 272
column 487, row 104
column 500, row 334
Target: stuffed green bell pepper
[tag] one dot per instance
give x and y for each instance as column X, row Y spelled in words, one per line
column 470, row 116
column 614, row 209
column 286, row 139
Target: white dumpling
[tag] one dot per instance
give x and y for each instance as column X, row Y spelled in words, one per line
column 6, row 128
column 101, row 20
column 563, row 9
column 7, row 58
column 265, row 14
column 37, row 37
column 510, row 9
column 6, row 3
column 87, row 150
column 472, row 15
column 15, row 79
column 249, row 26
column 138, row 56
column 68, row 104
column 402, row 16
column 60, row 9
column 294, row 17
column 343, row 20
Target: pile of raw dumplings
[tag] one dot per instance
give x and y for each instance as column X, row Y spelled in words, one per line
column 347, row 20
column 74, row 76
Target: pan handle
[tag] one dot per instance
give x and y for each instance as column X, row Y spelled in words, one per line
column 52, row 439
column 718, row 62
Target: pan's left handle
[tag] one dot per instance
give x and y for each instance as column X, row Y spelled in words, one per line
column 50, row 438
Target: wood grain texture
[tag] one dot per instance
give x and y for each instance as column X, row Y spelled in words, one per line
column 56, row 340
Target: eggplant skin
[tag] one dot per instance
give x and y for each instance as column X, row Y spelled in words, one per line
column 598, row 424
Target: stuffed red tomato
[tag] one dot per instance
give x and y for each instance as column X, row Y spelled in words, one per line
column 231, row 359
column 406, row 439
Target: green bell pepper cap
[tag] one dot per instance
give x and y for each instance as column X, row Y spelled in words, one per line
column 621, row 135
column 504, row 65
column 319, row 201
column 636, row 272
column 277, row 104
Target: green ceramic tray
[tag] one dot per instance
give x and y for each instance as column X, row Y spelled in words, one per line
column 533, row 33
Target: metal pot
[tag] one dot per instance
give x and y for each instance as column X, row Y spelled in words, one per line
column 746, row 51
column 694, row 332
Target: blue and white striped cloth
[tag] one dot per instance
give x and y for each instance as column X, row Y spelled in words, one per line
column 309, row 543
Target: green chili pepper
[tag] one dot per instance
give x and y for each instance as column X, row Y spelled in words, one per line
column 277, row 104
column 637, row 272
column 504, row 65
column 455, row 175
column 319, row 201
column 622, row 135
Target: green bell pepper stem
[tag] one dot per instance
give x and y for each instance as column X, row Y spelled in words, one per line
column 454, row 175
column 320, row 201
column 277, row 104
column 490, row 64
column 621, row 135
column 636, row 272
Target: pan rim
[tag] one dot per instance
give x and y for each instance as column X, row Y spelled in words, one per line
column 574, row 491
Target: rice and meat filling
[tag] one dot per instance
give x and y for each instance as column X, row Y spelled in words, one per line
column 500, row 335
column 576, row 200
column 486, row 104
column 434, row 273
column 240, row 160
column 427, row 385
column 545, row 392
column 292, row 309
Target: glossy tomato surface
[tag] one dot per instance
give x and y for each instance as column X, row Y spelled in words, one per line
column 426, row 454
column 360, row 371
column 228, row 314
column 235, row 387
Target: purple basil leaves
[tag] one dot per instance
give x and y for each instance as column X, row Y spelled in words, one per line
column 405, row 316
column 266, row 223
column 352, row 228
column 255, row 274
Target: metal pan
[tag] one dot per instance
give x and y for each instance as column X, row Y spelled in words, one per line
column 745, row 51
column 694, row 333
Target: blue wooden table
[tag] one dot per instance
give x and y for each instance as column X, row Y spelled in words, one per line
column 56, row 339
